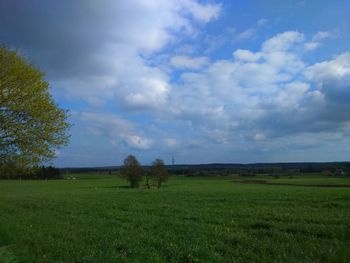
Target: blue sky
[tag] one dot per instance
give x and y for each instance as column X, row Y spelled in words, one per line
column 200, row 81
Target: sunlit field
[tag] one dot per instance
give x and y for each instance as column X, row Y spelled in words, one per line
column 96, row 218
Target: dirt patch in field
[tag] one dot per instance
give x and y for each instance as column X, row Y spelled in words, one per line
column 261, row 181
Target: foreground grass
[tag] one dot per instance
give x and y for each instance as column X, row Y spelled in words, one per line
column 188, row 220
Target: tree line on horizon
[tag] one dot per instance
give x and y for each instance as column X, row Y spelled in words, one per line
column 14, row 171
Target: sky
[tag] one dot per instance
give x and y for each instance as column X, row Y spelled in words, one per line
column 237, row 81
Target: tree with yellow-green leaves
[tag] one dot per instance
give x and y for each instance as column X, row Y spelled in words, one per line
column 32, row 126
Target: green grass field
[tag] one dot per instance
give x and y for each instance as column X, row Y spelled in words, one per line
column 317, row 181
column 188, row 220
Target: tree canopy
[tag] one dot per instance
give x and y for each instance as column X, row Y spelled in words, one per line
column 132, row 171
column 159, row 171
column 32, row 126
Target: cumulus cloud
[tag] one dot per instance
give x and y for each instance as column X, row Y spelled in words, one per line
column 317, row 40
column 262, row 21
column 321, row 36
column 116, row 129
column 98, row 50
column 269, row 94
column 311, row 45
column 282, row 42
column 188, row 62
column 330, row 71
column 202, row 12
column 246, row 55
column 332, row 80
column 130, row 57
column 246, row 34
column 250, row 32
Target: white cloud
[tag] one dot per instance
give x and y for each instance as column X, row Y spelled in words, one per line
column 332, row 80
column 138, row 142
column 246, row 34
column 311, row 45
column 144, row 88
column 116, row 129
column 201, row 12
column 321, row 36
column 188, row 62
column 262, row 21
column 104, row 53
column 123, row 56
column 250, row 32
column 283, row 41
column 263, row 95
column 246, row 55
column 333, row 70
column 316, row 40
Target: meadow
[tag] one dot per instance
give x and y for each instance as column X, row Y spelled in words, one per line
column 97, row 218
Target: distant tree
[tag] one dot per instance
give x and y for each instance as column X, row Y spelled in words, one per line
column 132, row 171
column 160, row 172
column 32, row 126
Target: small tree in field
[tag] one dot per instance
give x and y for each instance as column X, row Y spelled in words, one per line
column 160, row 172
column 132, row 171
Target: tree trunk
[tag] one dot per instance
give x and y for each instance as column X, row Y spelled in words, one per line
column 147, row 183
